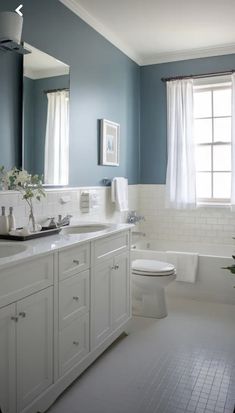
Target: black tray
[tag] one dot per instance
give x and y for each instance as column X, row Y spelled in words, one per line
column 33, row 235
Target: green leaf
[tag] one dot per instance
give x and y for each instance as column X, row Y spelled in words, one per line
column 231, row 268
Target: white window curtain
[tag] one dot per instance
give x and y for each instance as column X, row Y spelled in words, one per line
column 56, row 162
column 233, row 144
column 181, row 166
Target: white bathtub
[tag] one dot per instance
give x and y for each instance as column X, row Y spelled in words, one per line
column 212, row 284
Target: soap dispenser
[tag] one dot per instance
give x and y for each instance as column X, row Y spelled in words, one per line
column 4, row 222
column 11, row 220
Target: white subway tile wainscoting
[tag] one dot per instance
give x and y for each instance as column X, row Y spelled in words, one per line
column 67, row 201
column 208, row 225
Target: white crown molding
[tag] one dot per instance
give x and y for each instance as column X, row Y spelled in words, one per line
column 188, row 54
column 168, row 57
column 100, row 28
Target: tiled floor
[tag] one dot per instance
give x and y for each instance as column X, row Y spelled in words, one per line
column 182, row 364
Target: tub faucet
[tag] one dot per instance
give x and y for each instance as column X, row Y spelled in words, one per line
column 133, row 218
column 62, row 222
column 139, row 233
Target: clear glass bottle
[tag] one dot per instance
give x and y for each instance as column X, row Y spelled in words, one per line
column 11, row 220
column 4, row 223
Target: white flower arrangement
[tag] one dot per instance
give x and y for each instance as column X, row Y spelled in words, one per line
column 30, row 186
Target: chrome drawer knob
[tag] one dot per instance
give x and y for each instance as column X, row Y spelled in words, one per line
column 77, row 262
column 76, row 298
column 13, row 318
column 116, row 267
column 22, row 314
column 76, row 343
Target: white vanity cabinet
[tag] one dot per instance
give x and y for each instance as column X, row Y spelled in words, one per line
column 26, row 344
column 110, row 287
column 26, row 334
column 120, row 290
column 7, row 359
column 74, row 306
column 58, row 312
column 34, row 348
column 101, row 303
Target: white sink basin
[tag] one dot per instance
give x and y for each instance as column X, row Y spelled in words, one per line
column 83, row 229
column 7, row 250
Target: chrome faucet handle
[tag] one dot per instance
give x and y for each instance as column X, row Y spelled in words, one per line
column 64, row 221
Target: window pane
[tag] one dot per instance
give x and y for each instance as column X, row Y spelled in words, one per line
column 222, row 129
column 222, row 102
column 203, row 158
column 203, row 184
column 222, row 158
column 222, row 185
column 203, row 130
column 202, row 105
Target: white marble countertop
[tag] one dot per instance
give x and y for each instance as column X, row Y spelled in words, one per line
column 53, row 243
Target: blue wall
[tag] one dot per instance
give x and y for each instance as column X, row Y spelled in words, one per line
column 10, row 109
column 104, row 84
column 153, row 110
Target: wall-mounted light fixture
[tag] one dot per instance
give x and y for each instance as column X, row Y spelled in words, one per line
column 11, row 24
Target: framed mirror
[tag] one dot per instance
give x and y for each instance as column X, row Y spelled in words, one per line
column 45, row 149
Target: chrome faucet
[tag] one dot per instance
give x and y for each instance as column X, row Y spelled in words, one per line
column 62, row 222
column 133, row 218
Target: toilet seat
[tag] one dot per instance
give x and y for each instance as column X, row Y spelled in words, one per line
column 152, row 268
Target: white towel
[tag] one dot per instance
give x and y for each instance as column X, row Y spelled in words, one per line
column 119, row 193
column 186, row 265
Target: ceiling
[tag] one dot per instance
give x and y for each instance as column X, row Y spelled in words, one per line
column 39, row 65
column 156, row 31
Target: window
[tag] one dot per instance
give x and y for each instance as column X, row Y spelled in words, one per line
column 212, row 133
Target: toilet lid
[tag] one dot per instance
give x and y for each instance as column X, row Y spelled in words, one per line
column 152, row 266
column 153, row 274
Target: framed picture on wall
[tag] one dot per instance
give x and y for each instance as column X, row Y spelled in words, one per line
column 109, row 143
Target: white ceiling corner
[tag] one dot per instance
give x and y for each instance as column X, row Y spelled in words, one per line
column 100, row 28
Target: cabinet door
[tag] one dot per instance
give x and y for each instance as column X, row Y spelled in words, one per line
column 120, row 290
column 34, row 346
column 101, row 304
column 7, row 360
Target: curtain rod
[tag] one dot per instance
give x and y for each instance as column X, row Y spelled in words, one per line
column 227, row 72
column 56, row 90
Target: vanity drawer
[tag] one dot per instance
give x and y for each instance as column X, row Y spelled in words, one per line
column 73, row 297
column 74, row 343
column 74, row 260
column 24, row 279
column 106, row 247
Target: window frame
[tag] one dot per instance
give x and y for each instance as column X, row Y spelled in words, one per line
column 211, row 87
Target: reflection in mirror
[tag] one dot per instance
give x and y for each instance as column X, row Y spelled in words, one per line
column 46, row 117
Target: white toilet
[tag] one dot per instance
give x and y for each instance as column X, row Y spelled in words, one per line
column 149, row 279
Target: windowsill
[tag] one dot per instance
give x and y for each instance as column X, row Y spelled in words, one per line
column 208, row 204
